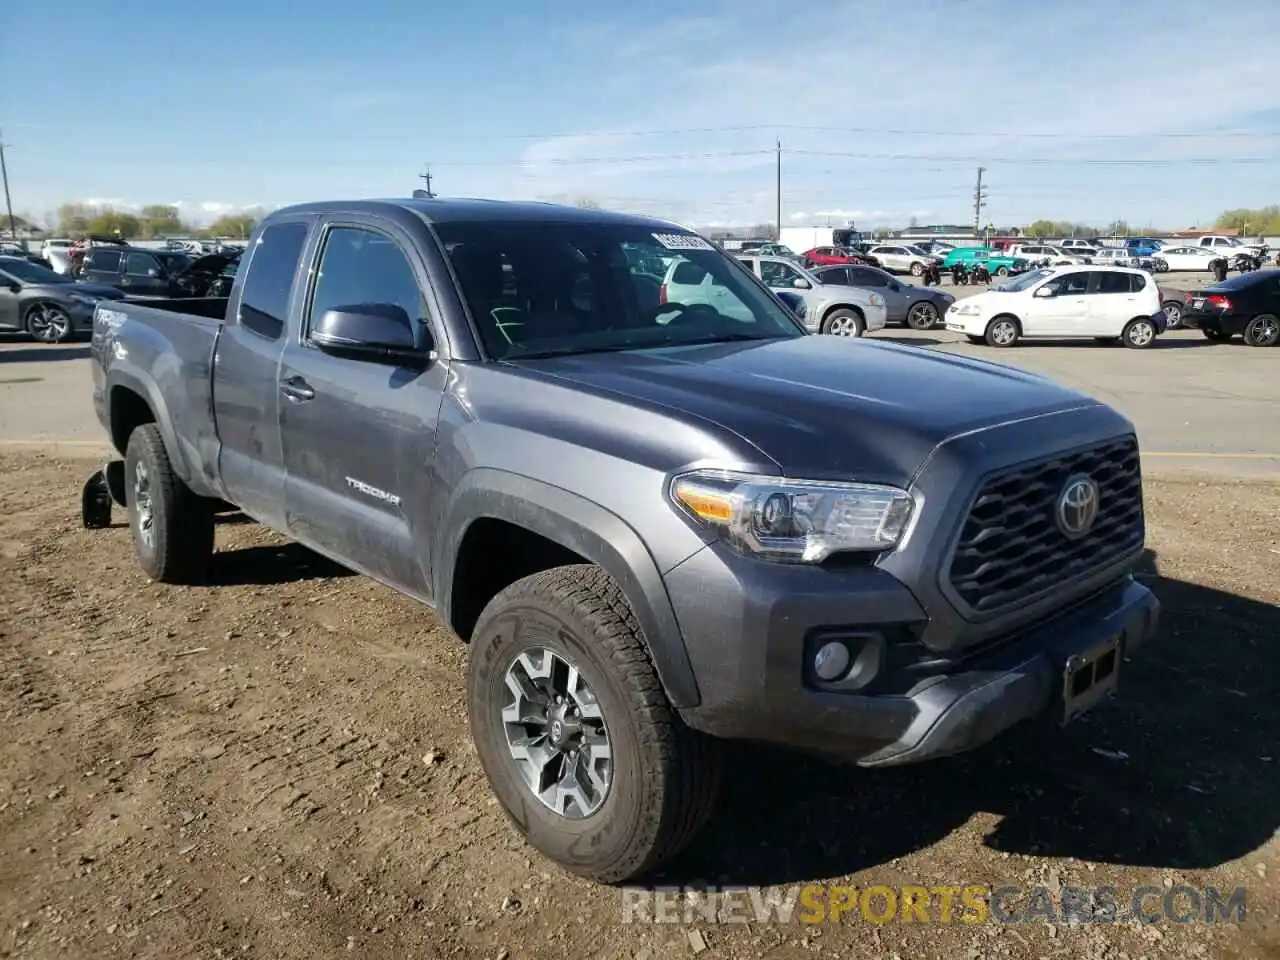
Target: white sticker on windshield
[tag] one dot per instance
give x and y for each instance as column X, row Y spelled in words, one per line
column 682, row 241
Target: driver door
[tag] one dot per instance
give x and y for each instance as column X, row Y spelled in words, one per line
column 1064, row 313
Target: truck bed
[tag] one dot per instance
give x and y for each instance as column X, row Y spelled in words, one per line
column 162, row 351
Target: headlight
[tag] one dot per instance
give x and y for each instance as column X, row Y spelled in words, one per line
column 876, row 300
column 965, row 309
column 794, row 521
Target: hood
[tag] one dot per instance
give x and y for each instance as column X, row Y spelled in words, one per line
column 821, row 407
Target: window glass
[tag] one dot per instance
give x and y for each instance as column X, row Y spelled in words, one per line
column 1136, row 283
column 137, row 264
column 1113, row 283
column 1074, row 284
column 272, row 266
column 363, row 266
column 548, row 287
column 867, row 277
column 108, row 260
column 778, row 274
column 833, row 275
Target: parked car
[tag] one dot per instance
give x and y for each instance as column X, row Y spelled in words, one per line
column 1116, row 257
column 920, row 308
column 902, row 258
column 998, row 264
column 1171, row 258
column 653, row 536
column 1103, row 303
column 138, row 272
column 1232, row 247
column 49, row 306
column 1172, row 302
column 775, row 250
column 825, row 256
column 840, row 311
column 1078, row 243
column 1043, row 255
column 1143, row 247
column 1247, row 305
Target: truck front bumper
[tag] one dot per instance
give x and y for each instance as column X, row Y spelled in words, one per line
column 752, row 629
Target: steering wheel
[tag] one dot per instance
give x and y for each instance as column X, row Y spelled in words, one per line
column 684, row 312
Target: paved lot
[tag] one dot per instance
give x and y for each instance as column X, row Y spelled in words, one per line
column 1197, row 405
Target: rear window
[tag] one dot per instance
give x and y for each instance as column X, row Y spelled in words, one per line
column 108, row 260
column 273, row 263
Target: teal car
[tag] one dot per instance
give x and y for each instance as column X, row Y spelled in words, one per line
column 1000, row 264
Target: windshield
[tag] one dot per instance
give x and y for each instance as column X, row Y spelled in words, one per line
column 175, row 262
column 30, row 272
column 545, row 289
column 1024, row 282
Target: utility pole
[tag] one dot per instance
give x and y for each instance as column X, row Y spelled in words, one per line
column 979, row 201
column 427, row 177
column 778, row 228
column 4, row 173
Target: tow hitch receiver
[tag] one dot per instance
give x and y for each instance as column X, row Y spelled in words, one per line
column 1089, row 678
column 100, row 491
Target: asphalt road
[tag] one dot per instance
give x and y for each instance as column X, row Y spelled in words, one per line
column 1196, row 405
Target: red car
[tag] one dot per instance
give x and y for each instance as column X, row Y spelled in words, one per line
column 833, row 256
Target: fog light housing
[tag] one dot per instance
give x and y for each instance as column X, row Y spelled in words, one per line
column 831, row 661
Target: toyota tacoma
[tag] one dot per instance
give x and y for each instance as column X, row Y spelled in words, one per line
column 659, row 525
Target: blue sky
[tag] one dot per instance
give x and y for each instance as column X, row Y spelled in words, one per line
column 660, row 107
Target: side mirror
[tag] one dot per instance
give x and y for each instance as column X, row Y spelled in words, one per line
column 381, row 332
column 153, row 272
column 800, row 283
column 1048, row 290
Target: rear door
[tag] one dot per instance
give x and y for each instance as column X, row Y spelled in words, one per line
column 895, row 300
column 102, row 265
column 359, row 436
column 246, row 390
column 1112, row 302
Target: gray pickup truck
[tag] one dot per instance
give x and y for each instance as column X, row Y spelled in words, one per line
column 658, row 526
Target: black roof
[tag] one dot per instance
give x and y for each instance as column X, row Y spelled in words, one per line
column 460, row 210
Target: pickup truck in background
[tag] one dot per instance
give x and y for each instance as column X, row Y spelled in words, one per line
column 1232, row 247
column 657, row 525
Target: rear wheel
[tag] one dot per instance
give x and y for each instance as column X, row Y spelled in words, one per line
column 844, row 322
column 1173, row 310
column 49, row 323
column 573, row 730
column 172, row 527
column 922, row 316
column 1002, row 271
column 1003, row 332
column 1139, row 333
column 1263, row 331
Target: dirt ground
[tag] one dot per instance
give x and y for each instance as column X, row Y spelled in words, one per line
column 279, row 766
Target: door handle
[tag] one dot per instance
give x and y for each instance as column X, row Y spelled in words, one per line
column 297, row 389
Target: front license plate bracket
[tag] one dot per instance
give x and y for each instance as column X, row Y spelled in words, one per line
column 1089, row 678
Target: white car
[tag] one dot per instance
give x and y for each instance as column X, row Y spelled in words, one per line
column 1115, row 257
column 1045, row 255
column 902, row 258
column 828, row 308
column 1171, row 258
column 1104, row 303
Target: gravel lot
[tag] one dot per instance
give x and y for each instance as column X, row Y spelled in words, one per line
column 279, row 766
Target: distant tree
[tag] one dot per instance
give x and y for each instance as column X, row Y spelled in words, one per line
column 160, row 220
column 19, row 222
column 73, row 218
column 1118, row 228
column 237, row 225
column 110, row 221
column 1041, row 228
column 1263, row 222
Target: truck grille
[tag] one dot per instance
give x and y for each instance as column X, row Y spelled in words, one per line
column 1011, row 548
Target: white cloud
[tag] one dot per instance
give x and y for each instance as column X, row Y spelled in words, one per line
column 1049, row 108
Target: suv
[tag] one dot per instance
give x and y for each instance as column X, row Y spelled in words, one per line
column 902, row 258
column 135, row 271
column 829, row 308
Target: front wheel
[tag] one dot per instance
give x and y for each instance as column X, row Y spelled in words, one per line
column 49, row 323
column 1002, row 272
column 172, row 527
column 1173, row 311
column 844, row 323
column 574, row 732
column 1003, row 332
column 1263, row 331
column 1139, row 333
column 917, row 269
column 922, row 316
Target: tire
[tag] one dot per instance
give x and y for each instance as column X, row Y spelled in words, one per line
column 172, row 527
column 48, row 323
column 1003, row 331
column 1002, row 272
column 1263, row 331
column 922, row 316
column 974, row 338
column 1217, row 336
column 1160, row 266
column 917, row 269
column 1139, row 333
column 663, row 777
column 1173, row 310
column 844, row 322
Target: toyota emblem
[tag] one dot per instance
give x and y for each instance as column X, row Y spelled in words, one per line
column 1077, row 507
